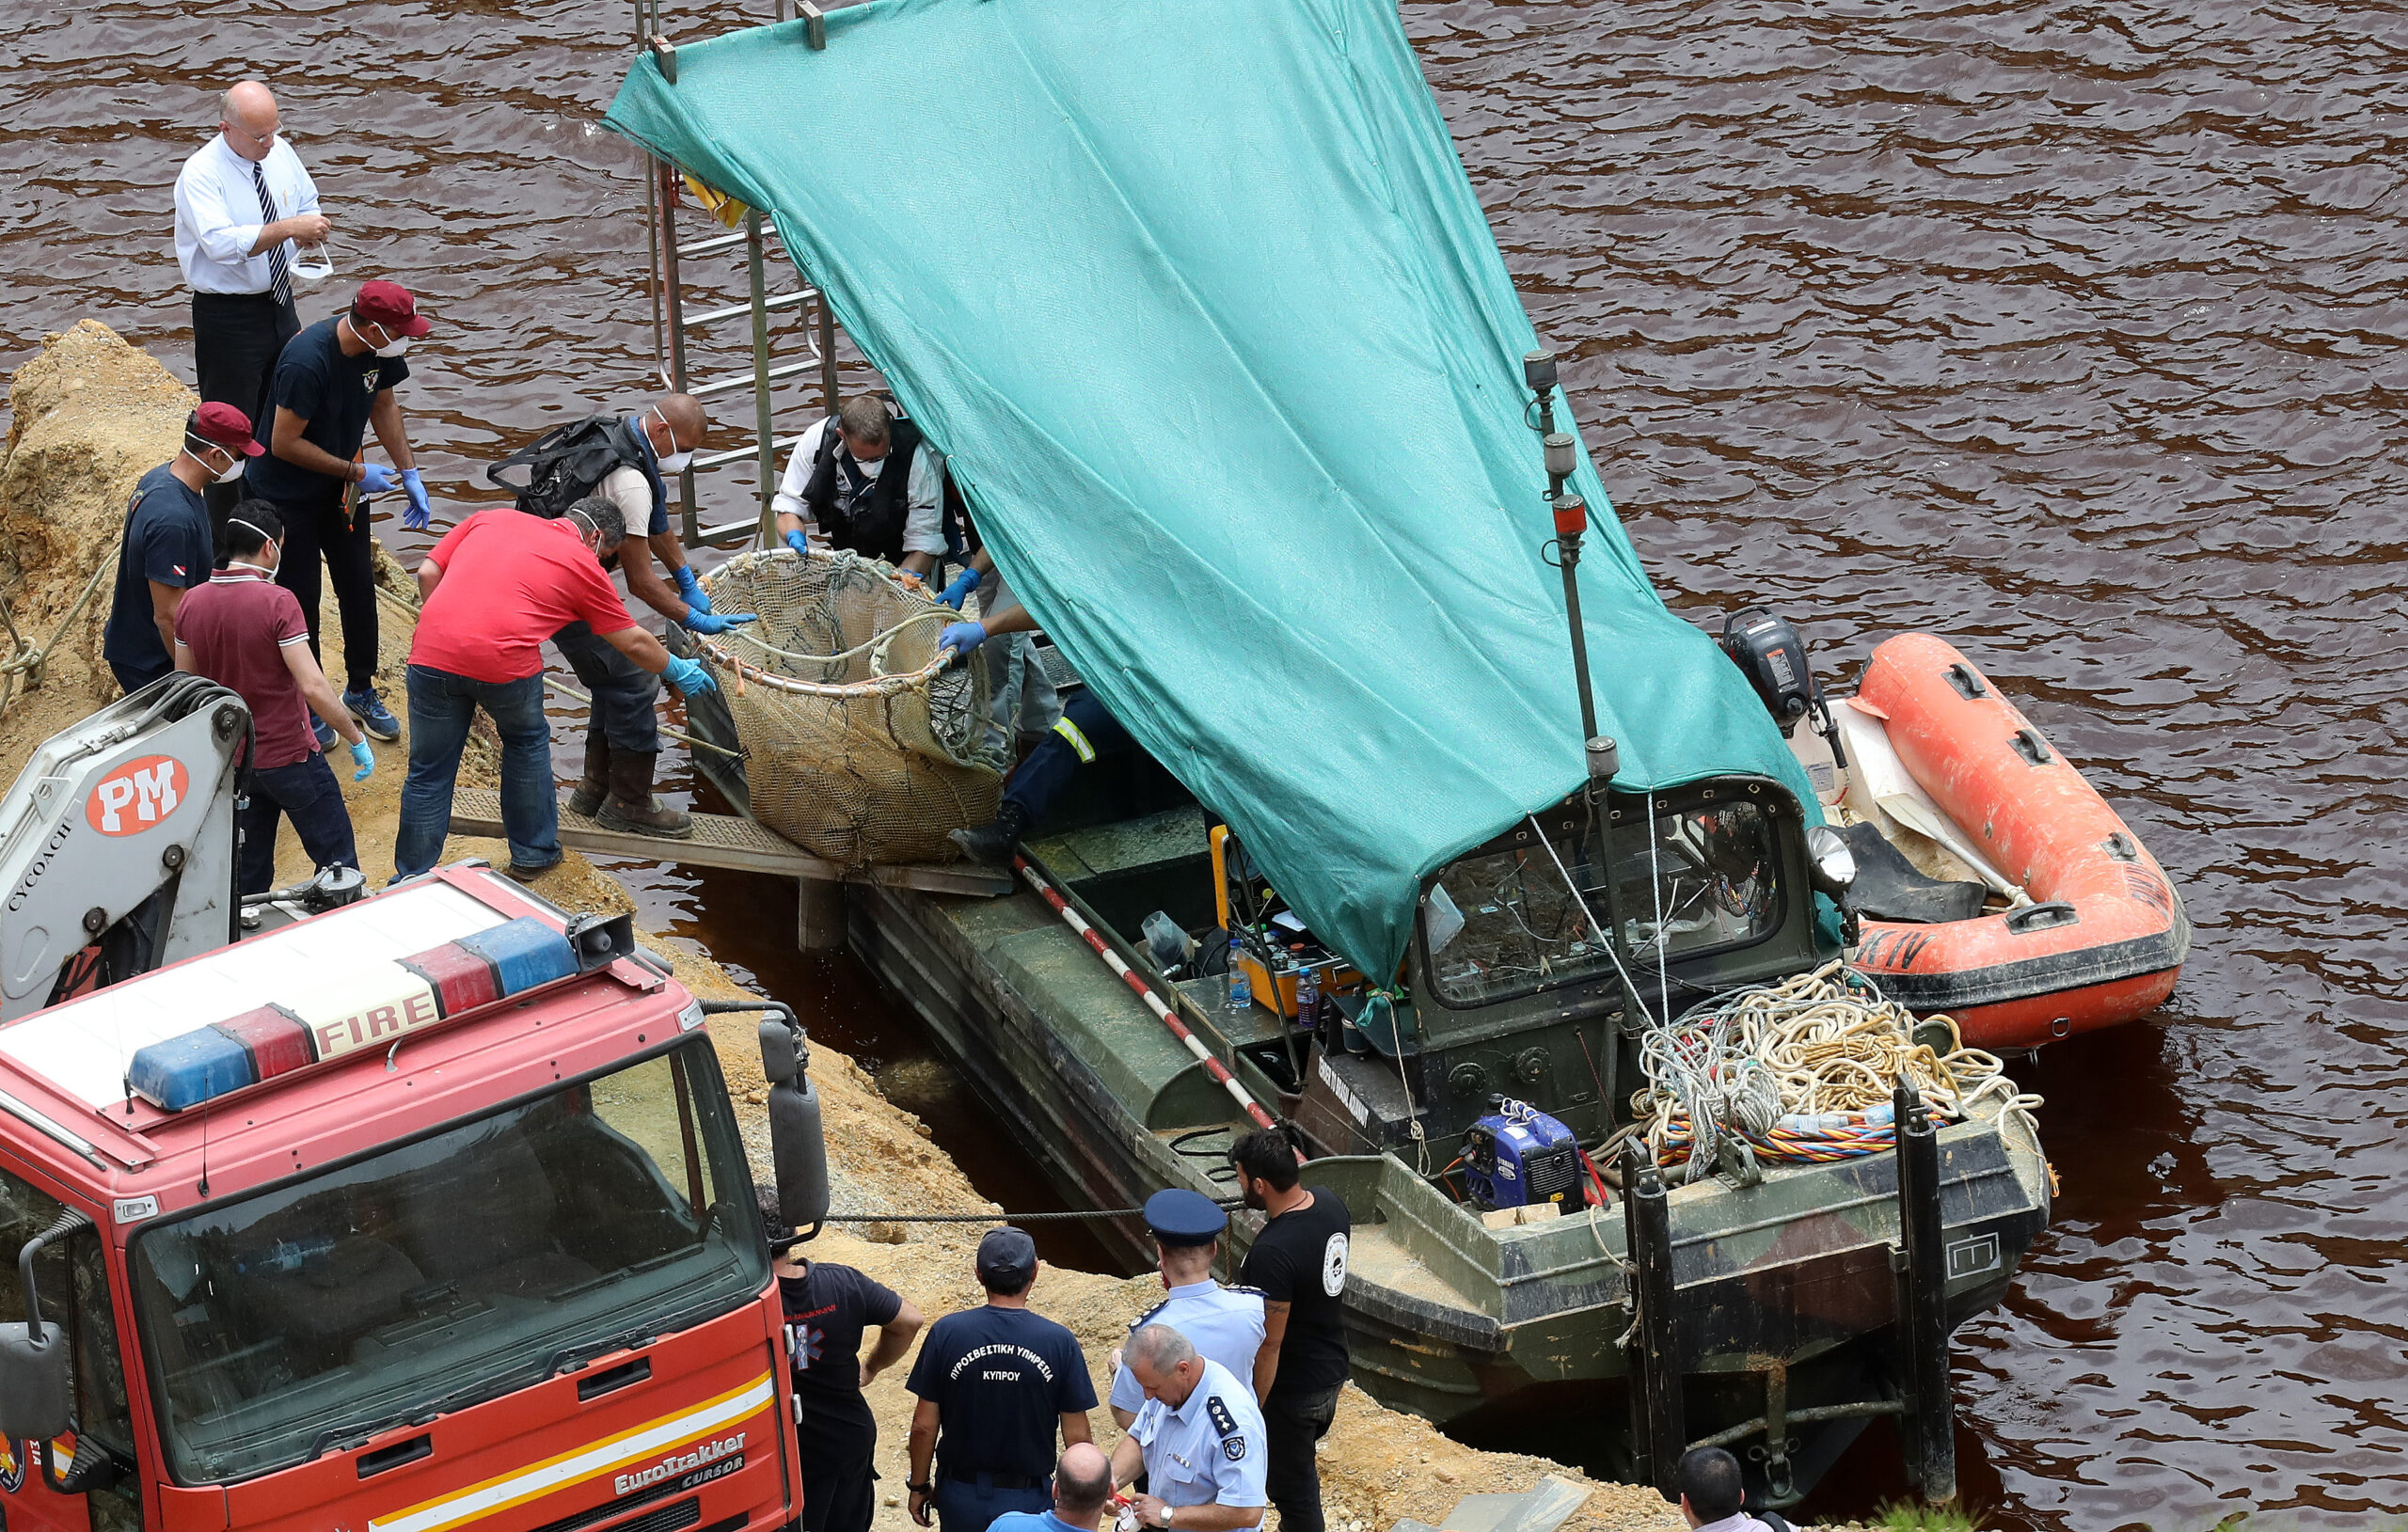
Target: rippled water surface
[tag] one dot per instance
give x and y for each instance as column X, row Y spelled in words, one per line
column 2073, row 331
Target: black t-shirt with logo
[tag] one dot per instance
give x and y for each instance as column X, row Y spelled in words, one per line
column 334, row 393
column 827, row 1308
column 1299, row 1259
column 1002, row 1379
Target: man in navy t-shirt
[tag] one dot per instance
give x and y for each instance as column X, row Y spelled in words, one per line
column 334, row 380
column 998, row 1379
column 168, row 549
column 827, row 1308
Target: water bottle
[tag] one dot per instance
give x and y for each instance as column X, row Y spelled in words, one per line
column 1240, row 987
column 1307, row 1000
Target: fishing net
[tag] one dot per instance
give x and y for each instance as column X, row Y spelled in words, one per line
column 859, row 743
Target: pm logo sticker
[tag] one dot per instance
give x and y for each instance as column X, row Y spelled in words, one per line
column 137, row 796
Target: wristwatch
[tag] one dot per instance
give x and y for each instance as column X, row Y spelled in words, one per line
column 920, row 1489
column 1169, row 1512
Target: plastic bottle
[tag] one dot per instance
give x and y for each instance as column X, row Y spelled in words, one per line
column 1307, row 1000
column 1240, row 987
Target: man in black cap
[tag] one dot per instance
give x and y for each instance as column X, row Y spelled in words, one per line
column 1224, row 1325
column 997, row 1379
column 827, row 1308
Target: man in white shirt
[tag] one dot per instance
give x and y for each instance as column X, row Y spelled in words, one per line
column 870, row 482
column 242, row 201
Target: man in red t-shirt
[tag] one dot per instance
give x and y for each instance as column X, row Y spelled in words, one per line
column 496, row 587
column 244, row 631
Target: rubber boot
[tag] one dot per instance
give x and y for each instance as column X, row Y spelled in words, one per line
column 595, row 789
column 992, row 842
column 632, row 807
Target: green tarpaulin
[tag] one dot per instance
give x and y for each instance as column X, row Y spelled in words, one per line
column 1199, row 302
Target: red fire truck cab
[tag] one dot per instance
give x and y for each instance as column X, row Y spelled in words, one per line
column 428, row 1211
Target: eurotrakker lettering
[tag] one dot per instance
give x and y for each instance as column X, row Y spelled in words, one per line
column 707, row 1454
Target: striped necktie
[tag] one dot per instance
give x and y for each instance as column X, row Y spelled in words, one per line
column 281, row 279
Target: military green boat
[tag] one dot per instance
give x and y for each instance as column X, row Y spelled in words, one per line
column 1200, row 303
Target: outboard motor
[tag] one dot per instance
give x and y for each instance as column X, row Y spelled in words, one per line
column 1772, row 657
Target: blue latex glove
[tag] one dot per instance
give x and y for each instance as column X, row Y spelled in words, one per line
column 961, row 637
column 364, row 759
column 691, row 588
column 706, row 621
column 376, row 479
column 417, row 516
column 687, row 676
column 796, row 541
column 954, row 594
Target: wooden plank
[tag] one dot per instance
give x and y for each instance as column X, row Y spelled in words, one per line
column 724, row 840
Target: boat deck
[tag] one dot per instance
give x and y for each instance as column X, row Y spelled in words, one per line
column 725, row 840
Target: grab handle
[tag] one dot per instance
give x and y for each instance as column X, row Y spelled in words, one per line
column 2041, row 917
column 387, row 1458
column 1967, row 681
column 2029, row 745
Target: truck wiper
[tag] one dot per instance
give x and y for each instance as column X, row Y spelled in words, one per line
column 568, row 1357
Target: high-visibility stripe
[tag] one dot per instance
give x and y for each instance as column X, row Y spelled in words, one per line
column 520, row 1485
column 1078, row 741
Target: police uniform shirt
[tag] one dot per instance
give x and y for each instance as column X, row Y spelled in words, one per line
column 1224, row 1325
column 1210, row 1451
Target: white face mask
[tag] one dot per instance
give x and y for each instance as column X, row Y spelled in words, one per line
column 872, row 468
column 232, row 470
column 393, row 345
column 675, row 462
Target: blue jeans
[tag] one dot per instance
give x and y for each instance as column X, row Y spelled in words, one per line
column 624, row 691
column 442, row 705
column 968, row 1505
column 307, row 793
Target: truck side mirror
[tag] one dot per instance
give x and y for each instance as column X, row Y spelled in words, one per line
column 33, row 1382
column 798, row 1145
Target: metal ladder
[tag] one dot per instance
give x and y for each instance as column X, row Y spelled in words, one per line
column 667, row 261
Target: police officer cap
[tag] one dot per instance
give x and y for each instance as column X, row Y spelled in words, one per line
column 1181, row 1217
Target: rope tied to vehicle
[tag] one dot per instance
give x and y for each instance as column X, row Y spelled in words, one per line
column 1803, row 1071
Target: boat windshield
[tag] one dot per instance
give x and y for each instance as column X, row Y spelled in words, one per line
column 1502, row 924
column 448, row 1270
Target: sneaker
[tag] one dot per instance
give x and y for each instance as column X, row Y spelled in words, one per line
column 373, row 714
column 326, row 732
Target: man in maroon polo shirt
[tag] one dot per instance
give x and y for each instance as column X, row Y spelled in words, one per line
column 244, row 631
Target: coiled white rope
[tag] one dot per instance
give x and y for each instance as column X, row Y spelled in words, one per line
column 1804, row 1070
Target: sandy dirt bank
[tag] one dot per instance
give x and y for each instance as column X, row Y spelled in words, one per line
column 91, row 414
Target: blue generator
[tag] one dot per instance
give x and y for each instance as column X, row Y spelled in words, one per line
column 1517, row 1157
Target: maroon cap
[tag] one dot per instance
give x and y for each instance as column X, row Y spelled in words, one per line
column 222, row 425
column 390, row 305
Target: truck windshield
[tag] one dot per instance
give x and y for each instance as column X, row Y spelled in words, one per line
column 1504, row 923
column 448, row 1270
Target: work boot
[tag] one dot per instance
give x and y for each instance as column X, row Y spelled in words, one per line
column 631, row 805
column 595, row 789
column 992, row 842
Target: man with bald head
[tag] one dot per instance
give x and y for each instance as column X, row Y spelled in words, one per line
column 1081, row 1489
column 631, row 465
column 243, row 204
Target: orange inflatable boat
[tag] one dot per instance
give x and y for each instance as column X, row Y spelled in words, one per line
column 2065, row 922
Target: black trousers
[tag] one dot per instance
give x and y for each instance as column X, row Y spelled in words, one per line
column 236, row 338
column 316, row 529
column 1295, row 1421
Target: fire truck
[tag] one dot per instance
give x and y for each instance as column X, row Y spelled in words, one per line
column 348, row 1212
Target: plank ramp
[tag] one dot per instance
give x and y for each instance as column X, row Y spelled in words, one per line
column 1542, row 1508
column 725, row 840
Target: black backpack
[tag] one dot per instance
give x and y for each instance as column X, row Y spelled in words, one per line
column 564, row 464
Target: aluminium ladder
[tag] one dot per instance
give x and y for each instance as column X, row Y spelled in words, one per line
column 673, row 322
